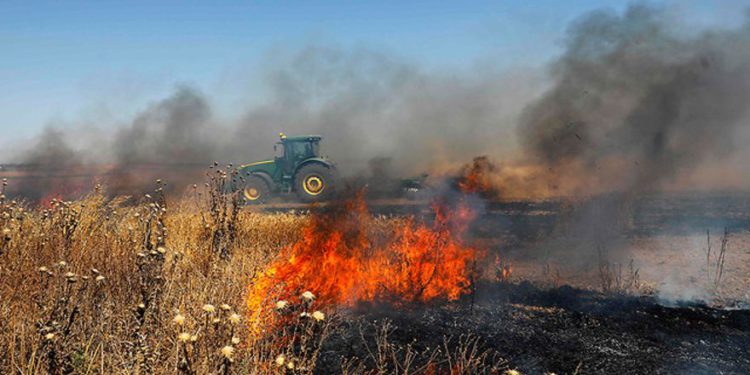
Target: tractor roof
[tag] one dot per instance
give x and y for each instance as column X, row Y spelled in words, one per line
column 302, row 138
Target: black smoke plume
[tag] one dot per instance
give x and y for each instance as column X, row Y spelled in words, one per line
column 639, row 102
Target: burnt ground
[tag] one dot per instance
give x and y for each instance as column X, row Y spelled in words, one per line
column 556, row 320
column 563, row 330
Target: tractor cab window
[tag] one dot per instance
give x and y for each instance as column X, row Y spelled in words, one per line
column 315, row 148
column 278, row 150
column 300, row 150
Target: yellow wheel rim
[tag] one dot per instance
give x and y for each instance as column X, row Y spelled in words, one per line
column 251, row 193
column 313, row 185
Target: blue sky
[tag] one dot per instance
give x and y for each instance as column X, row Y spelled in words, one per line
column 65, row 61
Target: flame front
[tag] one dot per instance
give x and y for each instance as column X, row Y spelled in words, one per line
column 342, row 262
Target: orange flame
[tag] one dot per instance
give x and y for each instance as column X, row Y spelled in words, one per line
column 342, row 263
column 503, row 269
column 476, row 177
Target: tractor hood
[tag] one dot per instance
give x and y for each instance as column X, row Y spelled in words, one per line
column 266, row 166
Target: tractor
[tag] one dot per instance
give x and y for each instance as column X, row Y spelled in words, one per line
column 297, row 167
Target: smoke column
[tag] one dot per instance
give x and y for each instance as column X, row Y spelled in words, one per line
column 636, row 103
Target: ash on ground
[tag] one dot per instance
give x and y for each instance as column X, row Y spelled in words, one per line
column 560, row 330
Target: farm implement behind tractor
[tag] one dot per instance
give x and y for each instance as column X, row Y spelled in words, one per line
column 299, row 168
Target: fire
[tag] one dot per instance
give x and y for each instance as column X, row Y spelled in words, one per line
column 515, row 179
column 503, row 268
column 343, row 263
column 477, row 176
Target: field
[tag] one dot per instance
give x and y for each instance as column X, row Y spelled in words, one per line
column 93, row 286
column 154, row 285
column 98, row 285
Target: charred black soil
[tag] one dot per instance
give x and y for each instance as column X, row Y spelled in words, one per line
column 557, row 322
column 562, row 330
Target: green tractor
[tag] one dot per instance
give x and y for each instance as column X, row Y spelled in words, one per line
column 297, row 167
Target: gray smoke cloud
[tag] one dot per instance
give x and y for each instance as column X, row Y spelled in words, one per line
column 631, row 104
column 368, row 104
column 371, row 104
column 636, row 105
column 51, row 151
column 639, row 101
column 174, row 130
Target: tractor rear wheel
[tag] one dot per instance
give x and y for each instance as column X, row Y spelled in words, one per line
column 256, row 190
column 315, row 182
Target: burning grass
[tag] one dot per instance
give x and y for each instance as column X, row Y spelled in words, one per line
column 100, row 286
column 344, row 261
column 197, row 285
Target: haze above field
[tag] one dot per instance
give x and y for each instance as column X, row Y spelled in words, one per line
column 78, row 64
column 570, row 99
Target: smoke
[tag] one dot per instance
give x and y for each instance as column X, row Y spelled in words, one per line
column 370, row 104
column 174, row 130
column 367, row 104
column 638, row 103
column 51, row 151
column 633, row 104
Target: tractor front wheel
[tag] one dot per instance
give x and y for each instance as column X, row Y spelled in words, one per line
column 314, row 183
column 256, row 190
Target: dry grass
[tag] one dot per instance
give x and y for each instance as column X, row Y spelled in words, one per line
column 101, row 286
column 93, row 286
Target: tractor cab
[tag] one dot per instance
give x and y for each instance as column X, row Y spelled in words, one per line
column 291, row 151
